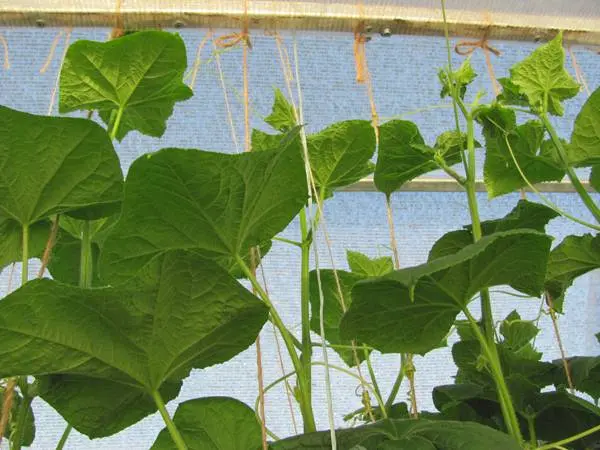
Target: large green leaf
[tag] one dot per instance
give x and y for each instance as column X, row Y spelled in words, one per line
column 181, row 312
column 100, row 407
column 560, row 415
column 333, row 311
column 543, row 79
column 585, row 139
column 412, row 310
column 214, row 423
column 140, row 75
column 215, row 204
column 504, row 139
column 340, row 154
column 56, row 165
column 468, row 402
column 403, row 155
column 11, row 240
column 361, row 264
column 406, row 435
column 526, row 215
column 573, row 257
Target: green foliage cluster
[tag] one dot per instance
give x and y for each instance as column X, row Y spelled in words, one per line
column 145, row 272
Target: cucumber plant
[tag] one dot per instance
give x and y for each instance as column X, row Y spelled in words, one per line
column 146, row 271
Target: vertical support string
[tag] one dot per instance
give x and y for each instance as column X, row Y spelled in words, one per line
column 4, row 43
column 198, row 60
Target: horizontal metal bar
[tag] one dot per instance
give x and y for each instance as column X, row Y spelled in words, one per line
column 534, row 22
column 449, row 185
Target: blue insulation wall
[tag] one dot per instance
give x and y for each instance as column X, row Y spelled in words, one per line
column 404, row 71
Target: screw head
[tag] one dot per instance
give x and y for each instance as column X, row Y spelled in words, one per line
column 40, row 23
column 368, row 28
column 179, row 24
column 386, row 32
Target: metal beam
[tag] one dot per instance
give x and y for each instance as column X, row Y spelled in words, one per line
column 508, row 20
column 449, row 185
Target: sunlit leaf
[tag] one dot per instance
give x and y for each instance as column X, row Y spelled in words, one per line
column 214, row 423
column 543, row 79
column 507, row 142
column 585, row 139
column 403, row 155
column 182, row 312
column 282, row 117
column 56, row 165
column 361, row 264
column 412, row 310
column 214, row 204
column 140, row 75
column 573, row 257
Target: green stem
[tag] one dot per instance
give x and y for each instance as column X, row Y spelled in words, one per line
column 532, row 434
column 64, row 437
column 85, row 262
column 396, row 387
column 22, row 381
column 562, row 155
column 487, row 338
column 306, row 355
column 304, row 401
column 491, row 353
column 287, row 241
column 115, row 127
column 85, row 281
column 25, row 255
column 21, row 419
column 374, row 381
column 570, row 439
column 175, row 434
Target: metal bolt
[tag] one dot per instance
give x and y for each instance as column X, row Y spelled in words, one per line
column 368, row 28
column 386, row 32
column 179, row 24
column 40, row 23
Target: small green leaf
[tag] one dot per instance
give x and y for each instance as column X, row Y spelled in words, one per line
column 585, row 374
column 57, row 165
column 585, row 139
column 468, row 402
column 140, row 75
column 361, row 264
column 543, row 79
column 214, row 204
column 406, row 435
column 517, row 333
column 333, row 310
column 214, row 423
column 573, row 257
column 182, row 312
column 510, row 93
column 11, row 240
column 504, row 139
column 412, row 310
column 403, row 155
column 282, row 117
column 462, row 78
column 526, row 215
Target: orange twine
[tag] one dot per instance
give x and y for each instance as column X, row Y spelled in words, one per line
column 466, row 48
column 5, row 45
